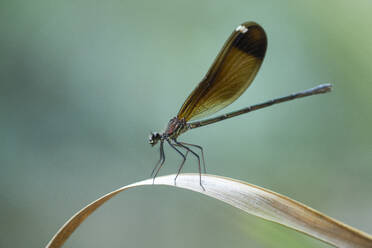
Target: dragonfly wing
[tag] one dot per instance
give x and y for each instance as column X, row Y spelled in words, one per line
column 230, row 75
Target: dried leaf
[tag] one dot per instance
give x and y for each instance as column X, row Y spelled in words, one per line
column 250, row 198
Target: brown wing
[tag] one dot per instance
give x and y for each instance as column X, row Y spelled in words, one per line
column 231, row 73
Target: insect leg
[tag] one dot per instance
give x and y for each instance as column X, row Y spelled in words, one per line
column 201, row 150
column 156, row 166
column 183, row 161
column 162, row 161
column 196, row 155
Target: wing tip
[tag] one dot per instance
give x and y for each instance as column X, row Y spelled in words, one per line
column 252, row 40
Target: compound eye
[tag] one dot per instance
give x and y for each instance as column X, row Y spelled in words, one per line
column 154, row 138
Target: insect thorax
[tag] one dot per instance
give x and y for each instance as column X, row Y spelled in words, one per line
column 175, row 128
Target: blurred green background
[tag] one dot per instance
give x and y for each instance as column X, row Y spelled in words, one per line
column 82, row 84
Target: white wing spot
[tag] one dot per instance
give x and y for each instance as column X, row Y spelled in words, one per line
column 241, row 29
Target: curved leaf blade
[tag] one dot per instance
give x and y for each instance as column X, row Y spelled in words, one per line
column 250, row 198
